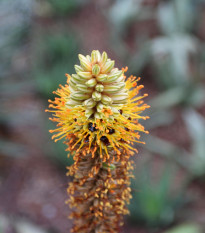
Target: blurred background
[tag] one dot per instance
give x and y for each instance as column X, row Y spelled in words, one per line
column 163, row 41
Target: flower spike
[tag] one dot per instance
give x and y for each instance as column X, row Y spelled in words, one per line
column 97, row 113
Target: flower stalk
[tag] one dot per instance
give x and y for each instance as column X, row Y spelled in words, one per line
column 97, row 113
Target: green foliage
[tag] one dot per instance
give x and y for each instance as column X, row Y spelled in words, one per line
column 193, row 162
column 55, row 56
column 170, row 59
column 190, row 95
column 57, row 151
column 56, row 48
column 152, row 202
column 196, row 128
column 171, row 53
column 169, row 151
column 122, row 13
column 48, row 80
column 176, row 16
column 64, row 7
column 186, row 228
column 168, row 54
column 13, row 32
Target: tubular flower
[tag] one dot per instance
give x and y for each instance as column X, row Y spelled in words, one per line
column 97, row 114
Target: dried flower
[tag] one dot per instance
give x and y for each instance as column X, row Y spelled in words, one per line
column 97, row 113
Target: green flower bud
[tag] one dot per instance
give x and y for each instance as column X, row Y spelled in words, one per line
column 100, row 107
column 114, row 88
column 91, row 87
column 88, row 57
column 72, row 81
column 95, row 56
column 90, row 103
column 96, row 96
column 71, row 89
column 108, row 66
column 98, row 115
column 79, row 96
column 83, row 88
column 106, row 100
column 76, row 79
column 72, row 84
column 96, row 69
column 103, row 58
column 85, row 75
column 91, row 83
column 84, row 62
column 99, row 87
column 101, row 77
column 120, row 79
column 115, row 111
column 89, row 112
column 120, row 97
column 113, row 76
column 72, row 103
column 78, row 68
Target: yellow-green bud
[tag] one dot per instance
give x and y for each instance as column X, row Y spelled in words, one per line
column 88, row 57
column 96, row 69
column 96, row 96
column 120, row 79
column 99, row 87
column 76, row 79
column 113, row 76
column 106, row 100
column 85, row 75
column 108, row 66
column 78, row 68
column 90, row 103
column 98, row 115
column 103, row 58
column 71, row 89
column 72, row 81
column 83, row 88
column 72, row 84
column 89, row 112
column 72, row 103
column 95, row 56
column 79, row 96
column 84, row 62
column 120, row 97
column 100, row 107
column 115, row 111
column 101, row 77
column 91, row 83
column 114, row 88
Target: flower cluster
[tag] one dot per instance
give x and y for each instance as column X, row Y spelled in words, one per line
column 98, row 112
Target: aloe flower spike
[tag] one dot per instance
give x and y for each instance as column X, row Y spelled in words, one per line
column 97, row 113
